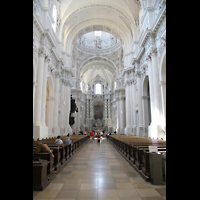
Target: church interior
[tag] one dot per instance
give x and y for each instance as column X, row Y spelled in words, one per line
column 99, row 65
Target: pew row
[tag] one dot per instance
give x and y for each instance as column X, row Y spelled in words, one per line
column 136, row 151
column 55, row 160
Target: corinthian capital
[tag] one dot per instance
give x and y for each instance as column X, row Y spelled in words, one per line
column 41, row 52
column 56, row 74
column 148, row 58
column 47, row 59
column 138, row 73
column 154, row 52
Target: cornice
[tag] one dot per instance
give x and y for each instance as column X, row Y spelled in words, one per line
column 159, row 19
column 120, row 89
column 50, row 37
column 143, row 38
column 54, row 53
column 36, row 21
column 142, row 50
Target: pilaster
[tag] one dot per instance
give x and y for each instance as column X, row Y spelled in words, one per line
column 56, row 128
column 38, row 130
column 141, row 126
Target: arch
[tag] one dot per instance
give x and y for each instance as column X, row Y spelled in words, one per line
column 73, row 34
column 122, row 18
column 146, row 104
column 101, row 59
column 49, row 105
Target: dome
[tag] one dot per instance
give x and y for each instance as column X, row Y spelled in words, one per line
column 97, row 40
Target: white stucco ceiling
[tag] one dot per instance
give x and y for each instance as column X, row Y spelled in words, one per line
column 92, row 69
column 116, row 17
column 78, row 14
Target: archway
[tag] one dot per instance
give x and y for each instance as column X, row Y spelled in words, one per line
column 146, row 104
column 49, row 105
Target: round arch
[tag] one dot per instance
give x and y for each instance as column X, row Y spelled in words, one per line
column 101, row 59
column 120, row 8
column 107, row 27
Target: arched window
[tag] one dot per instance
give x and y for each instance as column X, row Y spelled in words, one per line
column 97, row 33
column 54, row 18
column 98, row 88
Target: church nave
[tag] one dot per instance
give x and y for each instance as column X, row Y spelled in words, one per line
column 99, row 172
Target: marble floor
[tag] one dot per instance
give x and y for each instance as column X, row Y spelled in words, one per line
column 99, row 172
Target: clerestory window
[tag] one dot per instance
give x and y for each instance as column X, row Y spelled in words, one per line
column 54, row 18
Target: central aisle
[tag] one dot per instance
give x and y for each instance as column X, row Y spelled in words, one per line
column 99, row 172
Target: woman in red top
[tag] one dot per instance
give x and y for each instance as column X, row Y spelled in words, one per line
column 91, row 135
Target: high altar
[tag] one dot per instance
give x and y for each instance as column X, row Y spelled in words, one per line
column 98, row 113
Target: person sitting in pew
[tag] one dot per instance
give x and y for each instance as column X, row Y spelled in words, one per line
column 42, row 148
column 58, row 140
column 68, row 141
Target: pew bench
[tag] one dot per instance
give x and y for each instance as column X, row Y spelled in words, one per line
column 49, row 157
column 136, row 151
column 40, row 178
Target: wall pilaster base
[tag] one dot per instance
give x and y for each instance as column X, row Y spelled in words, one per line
column 40, row 131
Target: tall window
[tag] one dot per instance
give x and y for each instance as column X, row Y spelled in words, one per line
column 98, row 88
column 54, row 18
column 97, row 33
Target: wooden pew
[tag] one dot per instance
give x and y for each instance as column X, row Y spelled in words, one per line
column 49, row 157
column 62, row 153
column 40, row 178
column 135, row 149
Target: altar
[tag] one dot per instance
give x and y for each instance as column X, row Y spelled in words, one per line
column 101, row 129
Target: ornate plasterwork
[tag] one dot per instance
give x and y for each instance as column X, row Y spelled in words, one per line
column 93, row 28
column 95, row 6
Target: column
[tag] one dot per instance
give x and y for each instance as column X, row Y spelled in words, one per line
column 56, row 129
column 91, row 110
column 128, row 109
column 156, row 131
column 64, row 108
column 38, row 130
column 38, row 93
column 105, row 112
column 44, row 89
column 109, row 115
column 88, row 109
column 151, row 88
column 62, row 102
column 141, row 126
column 163, row 96
column 122, row 114
column 156, row 85
column 134, row 107
column 118, row 116
column 78, row 114
column 108, row 108
column 88, row 113
column 68, row 128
